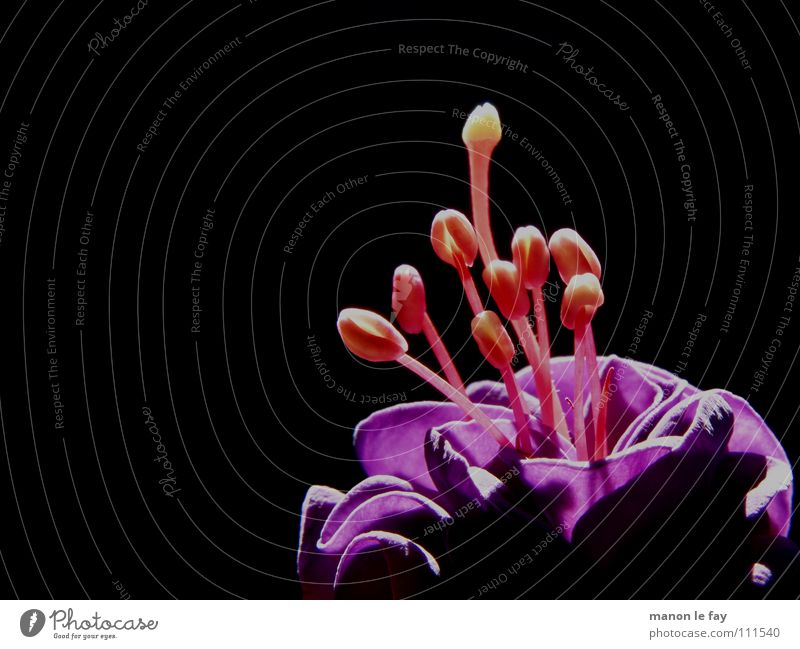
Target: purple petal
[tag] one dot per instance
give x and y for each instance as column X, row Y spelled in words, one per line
column 634, row 395
column 751, row 435
column 773, row 495
column 382, row 565
column 567, row 490
column 393, row 511
column 456, row 481
column 362, row 492
column 391, row 441
column 562, row 369
column 494, row 393
column 316, row 569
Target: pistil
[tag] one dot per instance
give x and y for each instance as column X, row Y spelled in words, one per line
column 482, row 131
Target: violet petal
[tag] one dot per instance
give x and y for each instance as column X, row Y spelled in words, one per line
column 384, row 565
column 316, row 569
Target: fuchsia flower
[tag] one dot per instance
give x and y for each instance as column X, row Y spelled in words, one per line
column 616, row 455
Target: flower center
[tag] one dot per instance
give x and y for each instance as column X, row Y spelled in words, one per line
column 458, row 242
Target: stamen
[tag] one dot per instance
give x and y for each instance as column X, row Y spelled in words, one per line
column 578, row 423
column 482, row 131
column 469, row 408
column 532, row 259
column 492, row 339
column 504, row 284
column 582, row 297
column 442, row 355
column 573, row 256
column 531, row 256
column 470, row 290
column 408, row 299
column 370, row 336
column 601, row 437
column 590, row 356
column 455, row 242
column 503, row 281
column 496, row 346
column 409, row 309
column 373, row 338
column 453, row 237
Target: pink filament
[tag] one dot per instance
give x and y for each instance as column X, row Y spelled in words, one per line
column 541, row 326
column 470, row 290
column 590, row 354
column 578, row 424
column 601, row 437
column 479, row 189
column 552, row 415
column 521, row 411
column 463, row 402
column 441, row 353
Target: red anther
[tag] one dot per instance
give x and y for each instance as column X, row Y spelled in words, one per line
column 408, row 299
column 453, row 238
column 531, row 256
column 573, row 256
column 582, row 297
column 503, row 281
column 370, row 336
column 493, row 339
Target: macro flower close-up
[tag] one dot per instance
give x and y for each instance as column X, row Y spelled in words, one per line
column 576, row 476
column 314, row 307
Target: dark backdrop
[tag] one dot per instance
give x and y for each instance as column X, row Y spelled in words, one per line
column 303, row 100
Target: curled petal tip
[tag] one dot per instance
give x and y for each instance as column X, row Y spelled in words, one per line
column 493, row 339
column 503, row 281
column 573, row 256
column 582, row 297
column 482, row 127
column 531, row 256
column 408, row 299
column 453, row 238
column 370, row 336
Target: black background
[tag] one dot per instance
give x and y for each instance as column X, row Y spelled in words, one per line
column 311, row 97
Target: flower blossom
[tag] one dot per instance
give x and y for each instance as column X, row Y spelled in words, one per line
column 636, row 482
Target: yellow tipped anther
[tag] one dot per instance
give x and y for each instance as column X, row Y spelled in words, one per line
column 582, row 297
column 408, row 299
column 503, row 281
column 453, row 238
column 531, row 256
column 493, row 339
column 482, row 128
column 370, row 336
column 573, row 256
